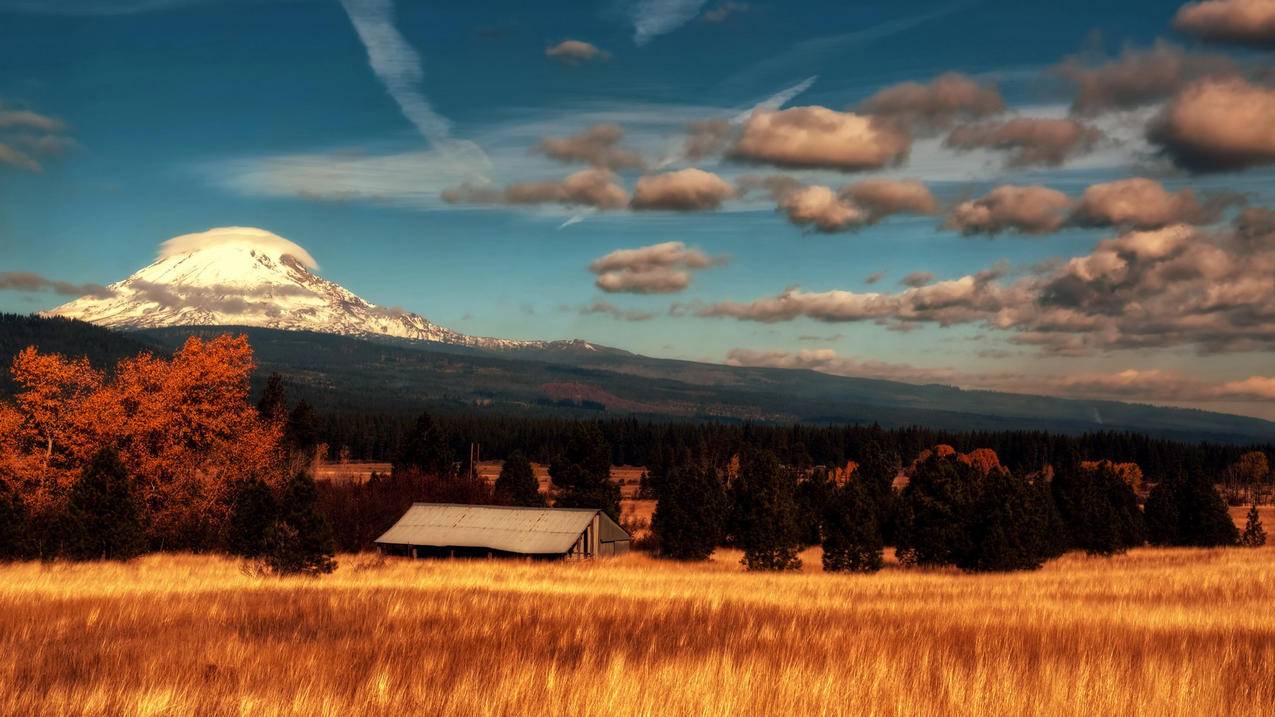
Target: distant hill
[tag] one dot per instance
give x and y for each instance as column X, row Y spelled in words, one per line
column 396, row 376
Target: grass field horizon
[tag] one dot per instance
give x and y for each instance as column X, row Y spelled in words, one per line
column 1156, row 631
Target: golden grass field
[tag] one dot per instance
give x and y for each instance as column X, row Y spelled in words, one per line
column 1155, row 632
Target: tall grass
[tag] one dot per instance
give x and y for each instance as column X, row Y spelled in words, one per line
column 1157, row 632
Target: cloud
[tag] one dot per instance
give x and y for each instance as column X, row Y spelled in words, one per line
column 398, row 67
column 883, row 197
column 1022, row 209
column 652, row 18
column 606, row 308
column 26, row 137
column 776, row 186
column 685, row 190
column 1217, row 125
column 926, row 107
column 1137, row 77
column 1175, row 286
column 706, row 138
column 664, row 268
column 817, row 137
column 597, row 145
column 575, row 52
column 917, row 279
column 1028, row 141
column 874, row 277
column 1141, row 203
column 250, row 237
column 822, row 208
column 1246, row 22
column 29, row 282
column 598, row 188
column 1130, row 384
column 724, row 11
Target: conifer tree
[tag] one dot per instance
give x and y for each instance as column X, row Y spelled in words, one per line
column 878, row 467
column 426, row 449
column 582, row 472
column 300, row 541
column 1099, row 509
column 1008, row 526
column 690, row 515
column 766, row 514
column 517, row 484
column 935, row 509
column 104, row 513
column 1187, row 510
column 15, row 526
column 273, row 404
column 1254, row 535
column 253, row 512
column 851, row 536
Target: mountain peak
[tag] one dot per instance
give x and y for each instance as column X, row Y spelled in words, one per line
column 243, row 276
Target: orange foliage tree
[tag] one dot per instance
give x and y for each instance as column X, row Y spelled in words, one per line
column 184, row 429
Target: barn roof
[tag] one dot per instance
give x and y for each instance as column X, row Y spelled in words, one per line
column 531, row 531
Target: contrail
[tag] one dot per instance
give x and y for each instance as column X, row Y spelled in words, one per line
column 398, row 67
column 777, row 100
column 656, row 17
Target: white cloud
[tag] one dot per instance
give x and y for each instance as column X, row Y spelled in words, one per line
column 652, row 18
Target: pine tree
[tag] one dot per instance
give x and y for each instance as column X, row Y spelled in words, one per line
column 1099, row 509
column 1254, row 535
column 253, row 512
column 690, row 515
column 104, row 514
column 878, row 467
column 766, row 514
column 273, row 405
column 1187, row 510
column 851, row 536
column 935, row 509
column 1008, row 529
column 426, row 449
column 15, row 527
column 300, row 542
column 517, row 484
column 582, row 472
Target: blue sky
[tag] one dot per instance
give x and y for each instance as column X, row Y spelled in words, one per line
column 180, row 115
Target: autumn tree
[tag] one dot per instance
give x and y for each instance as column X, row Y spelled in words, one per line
column 765, row 514
column 517, row 484
column 690, row 516
column 1247, row 474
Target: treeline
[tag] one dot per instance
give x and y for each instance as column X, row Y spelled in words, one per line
column 379, row 437
column 158, row 455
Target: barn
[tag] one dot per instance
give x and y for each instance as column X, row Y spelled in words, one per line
column 478, row 531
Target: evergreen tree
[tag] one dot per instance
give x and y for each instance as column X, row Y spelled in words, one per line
column 426, row 449
column 303, row 428
column 15, row 543
column 273, row 405
column 1008, row 526
column 104, row 514
column 878, row 467
column 935, row 509
column 1099, row 509
column 690, row 515
column 766, row 514
column 517, row 484
column 1254, row 535
column 851, row 536
column 813, row 495
column 253, row 512
column 582, row 472
column 300, row 541
column 1187, row 510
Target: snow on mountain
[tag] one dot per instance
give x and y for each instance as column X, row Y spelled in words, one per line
column 241, row 276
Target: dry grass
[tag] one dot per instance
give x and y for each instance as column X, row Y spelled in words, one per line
column 1157, row 632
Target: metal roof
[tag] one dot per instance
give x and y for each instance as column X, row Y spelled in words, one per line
column 532, row 531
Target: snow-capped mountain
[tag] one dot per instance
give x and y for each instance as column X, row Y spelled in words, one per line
column 240, row 276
